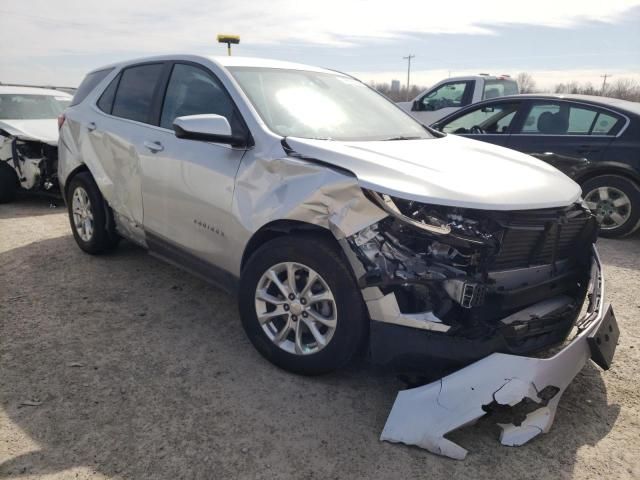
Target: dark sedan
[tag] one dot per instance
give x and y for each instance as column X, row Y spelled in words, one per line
column 594, row 140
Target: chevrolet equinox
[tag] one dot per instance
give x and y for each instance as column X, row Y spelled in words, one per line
column 338, row 220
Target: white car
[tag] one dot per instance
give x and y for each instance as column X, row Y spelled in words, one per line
column 449, row 95
column 29, row 138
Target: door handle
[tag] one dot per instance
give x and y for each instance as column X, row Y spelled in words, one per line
column 154, row 146
column 91, row 126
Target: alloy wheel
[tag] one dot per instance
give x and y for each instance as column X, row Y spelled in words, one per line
column 611, row 206
column 82, row 214
column 296, row 308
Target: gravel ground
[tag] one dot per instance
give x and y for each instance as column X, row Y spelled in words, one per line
column 123, row 367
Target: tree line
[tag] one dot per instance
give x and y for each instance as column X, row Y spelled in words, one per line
column 623, row 88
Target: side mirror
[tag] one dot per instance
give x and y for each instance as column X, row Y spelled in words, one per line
column 207, row 127
column 417, row 106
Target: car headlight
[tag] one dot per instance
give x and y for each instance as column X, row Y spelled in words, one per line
column 395, row 207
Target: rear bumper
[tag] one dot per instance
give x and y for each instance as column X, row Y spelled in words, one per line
column 422, row 416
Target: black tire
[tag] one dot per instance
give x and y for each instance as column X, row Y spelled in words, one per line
column 322, row 256
column 104, row 237
column 8, row 183
column 630, row 189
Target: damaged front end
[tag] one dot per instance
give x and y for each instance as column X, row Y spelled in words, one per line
column 474, row 282
column 35, row 162
column 446, row 287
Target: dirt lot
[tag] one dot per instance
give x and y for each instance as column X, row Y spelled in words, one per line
column 134, row 369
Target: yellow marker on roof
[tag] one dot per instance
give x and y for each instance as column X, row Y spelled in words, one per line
column 229, row 39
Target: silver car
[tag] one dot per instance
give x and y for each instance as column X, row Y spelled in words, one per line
column 340, row 222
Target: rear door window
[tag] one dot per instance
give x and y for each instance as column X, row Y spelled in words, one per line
column 135, row 92
column 490, row 119
column 88, row 84
column 580, row 120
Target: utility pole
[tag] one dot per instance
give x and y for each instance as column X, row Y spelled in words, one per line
column 604, row 82
column 408, row 58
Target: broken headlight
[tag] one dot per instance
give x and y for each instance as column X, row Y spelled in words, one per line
column 462, row 224
column 402, row 209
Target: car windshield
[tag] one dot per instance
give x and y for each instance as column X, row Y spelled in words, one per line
column 30, row 107
column 326, row 106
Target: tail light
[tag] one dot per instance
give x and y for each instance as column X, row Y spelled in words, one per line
column 61, row 119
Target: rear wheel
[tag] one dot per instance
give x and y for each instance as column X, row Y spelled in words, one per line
column 8, row 183
column 300, row 305
column 90, row 217
column 615, row 201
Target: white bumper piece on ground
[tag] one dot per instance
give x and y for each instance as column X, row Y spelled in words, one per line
column 422, row 416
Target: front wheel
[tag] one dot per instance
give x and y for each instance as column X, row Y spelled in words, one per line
column 300, row 305
column 615, row 201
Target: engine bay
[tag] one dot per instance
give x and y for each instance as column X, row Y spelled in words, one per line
column 519, row 275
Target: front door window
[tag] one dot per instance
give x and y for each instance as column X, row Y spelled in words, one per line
column 494, row 119
column 455, row 94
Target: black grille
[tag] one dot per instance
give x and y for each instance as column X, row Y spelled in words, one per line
column 530, row 238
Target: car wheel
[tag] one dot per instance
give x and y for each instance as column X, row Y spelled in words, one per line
column 8, row 183
column 615, row 200
column 300, row 305
column 90, row 217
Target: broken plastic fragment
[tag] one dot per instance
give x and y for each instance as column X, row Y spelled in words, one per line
column 422, row 416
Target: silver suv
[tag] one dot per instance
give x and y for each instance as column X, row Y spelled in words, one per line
column 338, row 219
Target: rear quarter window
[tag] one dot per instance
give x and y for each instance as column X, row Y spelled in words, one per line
column 88, row 84
column 605, row 124
column 105, row 103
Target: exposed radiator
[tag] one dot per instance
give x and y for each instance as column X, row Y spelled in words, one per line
column 530, row 238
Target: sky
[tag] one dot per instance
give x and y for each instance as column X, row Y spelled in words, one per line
column 57, row 42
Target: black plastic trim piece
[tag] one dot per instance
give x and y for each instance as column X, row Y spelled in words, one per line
column 603, row 342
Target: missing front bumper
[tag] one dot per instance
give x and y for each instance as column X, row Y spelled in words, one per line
column 422, row 416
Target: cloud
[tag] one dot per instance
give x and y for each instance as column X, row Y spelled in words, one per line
column 90, row 26
column 55, row 41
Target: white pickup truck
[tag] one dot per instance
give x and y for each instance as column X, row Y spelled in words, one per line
column 449, row 95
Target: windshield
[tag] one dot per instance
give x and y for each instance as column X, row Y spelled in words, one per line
column 327, row 106
column 31, row 107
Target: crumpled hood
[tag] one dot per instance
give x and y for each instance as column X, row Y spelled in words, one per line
column 43, row 130
column 452, row 171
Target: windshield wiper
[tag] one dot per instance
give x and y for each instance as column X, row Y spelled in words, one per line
column 400, row 137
